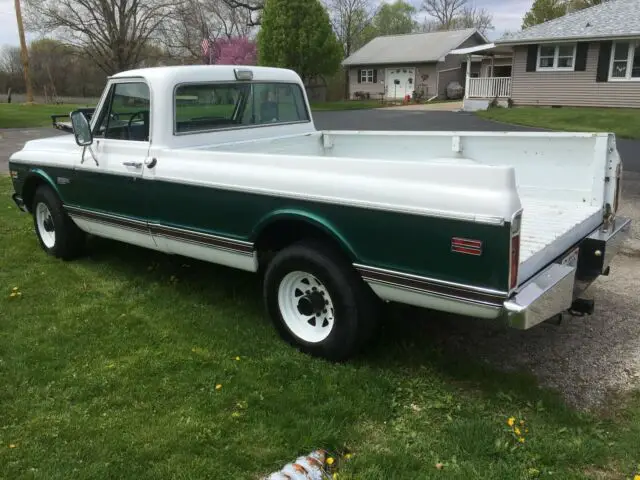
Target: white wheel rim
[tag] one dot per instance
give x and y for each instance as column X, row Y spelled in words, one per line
column 46, row 227
column 306, row 306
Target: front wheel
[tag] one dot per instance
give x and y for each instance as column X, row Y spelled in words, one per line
column 56, row 232
column 318, row 302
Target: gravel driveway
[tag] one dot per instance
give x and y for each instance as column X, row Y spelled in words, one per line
column 585, row 359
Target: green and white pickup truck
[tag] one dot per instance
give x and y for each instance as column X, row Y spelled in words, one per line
column 505, row 226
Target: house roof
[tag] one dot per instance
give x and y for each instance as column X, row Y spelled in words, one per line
column 612, row 19
column 410, row 48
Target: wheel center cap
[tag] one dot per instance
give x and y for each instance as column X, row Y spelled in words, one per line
column 311, row 303
column 48, row 224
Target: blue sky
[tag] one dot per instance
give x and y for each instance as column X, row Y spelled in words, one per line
column 507, row 15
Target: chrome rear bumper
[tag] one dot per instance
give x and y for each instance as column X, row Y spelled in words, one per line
column 553, row 290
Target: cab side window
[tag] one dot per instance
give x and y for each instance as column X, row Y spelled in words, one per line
column 125, row 115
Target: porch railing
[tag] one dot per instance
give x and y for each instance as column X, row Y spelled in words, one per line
column 489, row 87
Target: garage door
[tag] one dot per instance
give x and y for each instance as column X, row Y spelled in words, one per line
column 400, row 81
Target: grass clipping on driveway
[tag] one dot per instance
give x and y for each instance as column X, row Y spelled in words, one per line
column 131, row 364
column 624, row 122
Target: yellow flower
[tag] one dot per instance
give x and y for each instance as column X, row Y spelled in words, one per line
column 11, row 445
column 330, row 461
column 335, row 476
column 218, row 386
column 511, row 421
column 521, row 439
column 237, row 359
column 15, row 289
column 636, row 477
column 13, row 294
column 235, row 414
column 347, row 456
column 516, row 431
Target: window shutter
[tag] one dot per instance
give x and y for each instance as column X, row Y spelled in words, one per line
column 604, row 58
column 581, row 56
column 532, row 57
column 359, row 76
column 375, row 75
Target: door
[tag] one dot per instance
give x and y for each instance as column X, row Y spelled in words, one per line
column 400, row 82
column 108, row 191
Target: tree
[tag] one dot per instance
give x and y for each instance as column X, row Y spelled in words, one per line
column 545, row 10
column 297, row 34
column 471, row 17
column 114, row 33
column 251, row 8
column 395, row 18
column 455, row 14
column 234, row 51
column 350, row 20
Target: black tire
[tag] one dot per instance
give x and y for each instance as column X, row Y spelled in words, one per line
column 355, row 314
column 69, row 240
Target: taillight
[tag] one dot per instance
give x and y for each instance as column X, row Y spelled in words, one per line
column 514, row 249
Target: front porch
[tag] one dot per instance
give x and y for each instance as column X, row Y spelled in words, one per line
column 493, row 82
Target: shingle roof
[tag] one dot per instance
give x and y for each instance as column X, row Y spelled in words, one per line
column 410, row 48
column 615, row 18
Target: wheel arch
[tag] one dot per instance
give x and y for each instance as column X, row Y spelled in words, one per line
column 36, row 178
column 282, row 228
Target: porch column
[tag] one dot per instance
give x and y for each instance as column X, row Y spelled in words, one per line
column 467, row 77
column 493, row 58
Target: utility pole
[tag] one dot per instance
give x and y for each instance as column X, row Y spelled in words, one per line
column 24, row 54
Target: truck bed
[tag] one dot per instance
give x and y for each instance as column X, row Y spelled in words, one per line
column 549, row 228
column 559, row 176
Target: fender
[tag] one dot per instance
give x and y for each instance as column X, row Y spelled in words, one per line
column 33, row 175
column 295, row 215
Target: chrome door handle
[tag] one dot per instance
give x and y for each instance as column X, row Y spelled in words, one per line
column 132, row 164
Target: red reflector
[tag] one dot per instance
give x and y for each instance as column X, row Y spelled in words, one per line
column 515, row 261
column 466, row 246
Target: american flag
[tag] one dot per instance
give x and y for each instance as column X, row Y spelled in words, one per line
column 206, row 50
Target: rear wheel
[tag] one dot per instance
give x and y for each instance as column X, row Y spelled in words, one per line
column 318, row 302
column 56, row 232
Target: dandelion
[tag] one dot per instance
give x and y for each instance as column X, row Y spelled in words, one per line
column 330, row 461
column 335, row 476
column 636, row 477
column 218, row 386
column 511, row 421
column 347, row 456
column 521, row 439
column 237, row 359
column 12, row 445
column 516, row 431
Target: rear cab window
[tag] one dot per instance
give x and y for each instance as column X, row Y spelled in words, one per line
column 213, row 106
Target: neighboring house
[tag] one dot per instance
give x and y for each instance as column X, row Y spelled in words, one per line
column 590, row 57
column 395, row 65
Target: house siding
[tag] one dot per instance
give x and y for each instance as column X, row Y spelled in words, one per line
column 578, row 89
column 448, row 75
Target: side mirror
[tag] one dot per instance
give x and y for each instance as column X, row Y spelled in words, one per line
column 81, row 129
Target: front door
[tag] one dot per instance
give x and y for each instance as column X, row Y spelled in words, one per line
column 107, row 194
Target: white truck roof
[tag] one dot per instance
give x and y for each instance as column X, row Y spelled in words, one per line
column 203, row 73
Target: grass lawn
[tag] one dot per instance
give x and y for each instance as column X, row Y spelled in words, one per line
column 16, row 115
column 131, row 364
column 624, row 122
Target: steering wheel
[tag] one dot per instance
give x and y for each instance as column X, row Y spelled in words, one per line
column 135, row 115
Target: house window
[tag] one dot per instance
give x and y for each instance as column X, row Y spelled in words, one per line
column 366, row 76
column 625, row 61
column 556, row 57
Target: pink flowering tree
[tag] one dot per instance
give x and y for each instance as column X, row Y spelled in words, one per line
column 234, row 51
